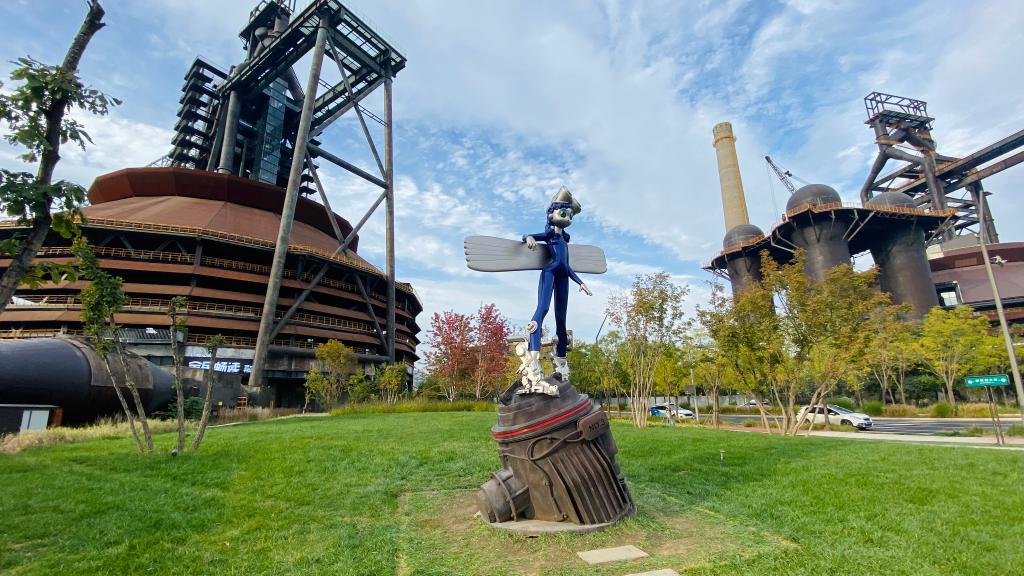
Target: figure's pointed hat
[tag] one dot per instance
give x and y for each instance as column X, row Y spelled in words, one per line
column 563, row 195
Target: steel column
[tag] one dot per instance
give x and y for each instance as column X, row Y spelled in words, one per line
column 288, row 210
column 389, row 177
column 227, row 151
column 323, row 271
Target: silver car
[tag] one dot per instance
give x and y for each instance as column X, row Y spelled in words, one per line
column 837, row 415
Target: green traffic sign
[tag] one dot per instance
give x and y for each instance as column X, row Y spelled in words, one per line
column 990, row 380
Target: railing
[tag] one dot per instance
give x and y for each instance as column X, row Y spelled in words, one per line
column 877, row 208
column 229, row 237
column 195, row 339
column 180, row 258
column 904, row 210
column 217, row 309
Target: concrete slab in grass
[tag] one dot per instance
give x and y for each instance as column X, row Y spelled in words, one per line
column 616, row 554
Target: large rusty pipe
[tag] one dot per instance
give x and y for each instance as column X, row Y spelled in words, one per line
column 734, row 205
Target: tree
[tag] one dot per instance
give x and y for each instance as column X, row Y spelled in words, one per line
column 35, row 116
column 826, row 326
column 391, row 381
column 949, row 344
column 213, row 345
column 489, row 344
column 338, row 363
column 450, row 357
column 672, row 372
column 102, row 299
column 892, row 354
column 650, row 316
column 744, row 331
column 178, row 306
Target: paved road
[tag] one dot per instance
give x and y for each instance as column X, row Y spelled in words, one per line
column 907, row 425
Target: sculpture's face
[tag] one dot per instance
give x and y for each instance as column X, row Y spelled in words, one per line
column 561, row 216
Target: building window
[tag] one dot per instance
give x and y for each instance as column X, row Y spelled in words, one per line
column 949, row 294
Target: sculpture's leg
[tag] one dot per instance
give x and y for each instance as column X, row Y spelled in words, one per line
column 544, row 288
column 533, row 375
column 561, row 304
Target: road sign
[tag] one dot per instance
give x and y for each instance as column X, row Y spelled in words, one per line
column 990, row 380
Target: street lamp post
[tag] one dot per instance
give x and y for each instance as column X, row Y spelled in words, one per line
column 1014, row 368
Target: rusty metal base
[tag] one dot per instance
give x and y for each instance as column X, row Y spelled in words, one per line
column 539, row 527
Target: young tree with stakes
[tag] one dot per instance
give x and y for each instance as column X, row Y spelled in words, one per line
column 213, row 345
column 35, row 114
column 650, row 316
column 177, row 309
column 102, row 299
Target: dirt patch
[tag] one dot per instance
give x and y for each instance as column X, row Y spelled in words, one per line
column 443, row 535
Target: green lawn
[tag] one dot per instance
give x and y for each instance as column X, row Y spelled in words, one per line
column 384, row 494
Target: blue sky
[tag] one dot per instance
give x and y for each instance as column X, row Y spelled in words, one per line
column 503, row 102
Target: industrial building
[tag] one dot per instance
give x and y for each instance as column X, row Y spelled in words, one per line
column 921, row 223
column 237, row 220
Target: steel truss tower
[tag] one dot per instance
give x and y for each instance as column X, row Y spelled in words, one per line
column 260, row 122
column 902, row 130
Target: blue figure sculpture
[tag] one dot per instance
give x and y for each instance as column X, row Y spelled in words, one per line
column 558, row 264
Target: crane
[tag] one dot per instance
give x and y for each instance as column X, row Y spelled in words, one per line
column 784, row 175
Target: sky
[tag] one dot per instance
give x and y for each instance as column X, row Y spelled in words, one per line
column 503, row 102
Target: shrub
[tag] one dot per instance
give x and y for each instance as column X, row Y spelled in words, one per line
column 899, row 411
column 974, row 410
column 975, row 430
column 102, row 429
column 414, row 406
column 873, row 408
column 1015, row 430
column 251, row 414
column 844, row 402
column 749, row 424
column 193, row 409
column 941, row 410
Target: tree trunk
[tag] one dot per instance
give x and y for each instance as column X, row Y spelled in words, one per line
column 180, row 394
column 54, row 116
column 140, row 410
column 207, row 400
column 950, row 397
column 124, row 405
column 715, row 407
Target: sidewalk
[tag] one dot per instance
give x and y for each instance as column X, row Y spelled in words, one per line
column 968, row 441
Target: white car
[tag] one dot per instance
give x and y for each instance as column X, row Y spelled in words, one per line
column 837, row 415
column 663, row 411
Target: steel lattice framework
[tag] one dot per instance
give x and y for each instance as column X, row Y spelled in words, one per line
column 258, row 121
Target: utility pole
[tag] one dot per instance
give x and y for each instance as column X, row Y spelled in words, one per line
column 1014, row 368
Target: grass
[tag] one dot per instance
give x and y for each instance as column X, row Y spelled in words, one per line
column 387, row 494
column 104, row 430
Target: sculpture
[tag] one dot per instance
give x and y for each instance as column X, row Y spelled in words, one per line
column 555, row 445
column 558, row 262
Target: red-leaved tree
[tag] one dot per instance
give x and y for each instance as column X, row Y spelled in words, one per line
column 490, row 333
column 450, row 358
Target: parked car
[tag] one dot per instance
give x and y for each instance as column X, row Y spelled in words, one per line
column 664, row 410
column 837, row 415
column 753, row 404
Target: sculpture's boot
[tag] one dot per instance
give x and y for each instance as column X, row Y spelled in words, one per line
column 533, row 376
column 561, row 368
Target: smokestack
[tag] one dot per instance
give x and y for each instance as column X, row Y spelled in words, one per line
column 733, row 203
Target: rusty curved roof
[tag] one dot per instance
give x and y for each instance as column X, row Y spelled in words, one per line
column 202, row 199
